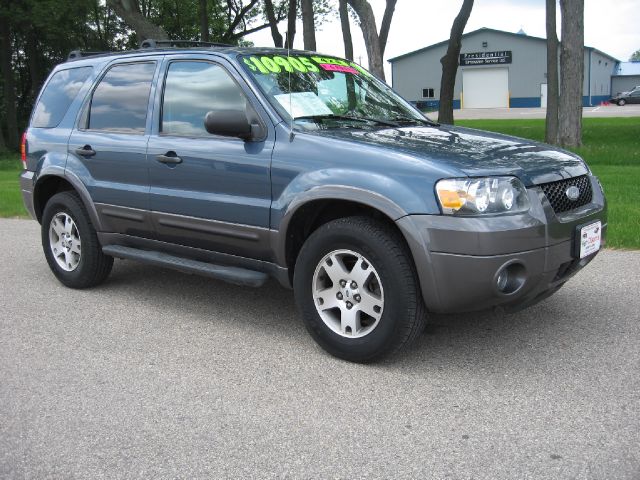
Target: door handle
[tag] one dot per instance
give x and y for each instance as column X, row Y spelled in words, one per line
column 85, row 151
column 170, row 158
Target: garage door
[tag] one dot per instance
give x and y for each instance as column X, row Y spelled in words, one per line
column 485, row 88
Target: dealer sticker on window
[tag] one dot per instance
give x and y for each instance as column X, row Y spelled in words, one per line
column 590, row 239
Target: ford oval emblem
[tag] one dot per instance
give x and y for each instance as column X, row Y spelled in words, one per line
column 572, row 193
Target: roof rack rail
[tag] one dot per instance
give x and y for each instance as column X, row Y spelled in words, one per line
column 75, row 54
column 151, row 43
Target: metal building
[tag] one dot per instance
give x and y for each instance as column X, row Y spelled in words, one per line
column 626, row 77
column 496, row 69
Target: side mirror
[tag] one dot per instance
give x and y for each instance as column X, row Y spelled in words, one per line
column 232, row 123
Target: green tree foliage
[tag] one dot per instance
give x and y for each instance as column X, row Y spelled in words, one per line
column 635, row 56
column 35, row 35
column 41, row 33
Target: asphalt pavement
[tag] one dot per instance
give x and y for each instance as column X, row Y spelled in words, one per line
column 157, row 374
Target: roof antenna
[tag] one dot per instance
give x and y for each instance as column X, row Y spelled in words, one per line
column 291, row 134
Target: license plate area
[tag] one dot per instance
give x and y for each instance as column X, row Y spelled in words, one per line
column 588, row 239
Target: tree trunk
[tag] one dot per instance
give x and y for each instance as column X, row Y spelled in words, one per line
column 273, row 23
column 9, row 93
column 346, row 29
column 450, row 64
column 129, row 12
column 571, row 73
column 291, row 23
column 33, row 60
column 96, row 18
column 370, row 33
column 386, row 24
column 204, row 21
column 308, row 25
column 551, row 131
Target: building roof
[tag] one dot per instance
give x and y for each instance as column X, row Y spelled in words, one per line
column 628, row 68
column 485, row 29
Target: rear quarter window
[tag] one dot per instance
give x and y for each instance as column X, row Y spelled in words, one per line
column 58, row 95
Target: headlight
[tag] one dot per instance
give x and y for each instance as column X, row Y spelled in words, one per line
column 482, row 196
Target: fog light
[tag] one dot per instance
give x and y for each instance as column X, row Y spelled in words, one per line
column 510, row 277
column 502, row 280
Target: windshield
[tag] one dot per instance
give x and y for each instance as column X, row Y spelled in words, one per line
column 318, row 92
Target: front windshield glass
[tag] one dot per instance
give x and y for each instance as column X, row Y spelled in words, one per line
column 325, row 92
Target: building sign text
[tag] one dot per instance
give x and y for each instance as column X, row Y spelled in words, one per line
column 485, row 58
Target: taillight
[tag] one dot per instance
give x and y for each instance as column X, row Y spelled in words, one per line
column 23, row 150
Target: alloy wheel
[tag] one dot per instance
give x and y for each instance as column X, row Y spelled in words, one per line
column 348, row 293
column 64, row 241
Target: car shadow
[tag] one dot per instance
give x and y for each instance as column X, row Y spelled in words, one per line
column 484, row 340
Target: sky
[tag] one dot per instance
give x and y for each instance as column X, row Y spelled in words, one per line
column 610, row 26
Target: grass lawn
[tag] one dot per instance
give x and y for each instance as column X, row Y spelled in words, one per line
column 10, row 196
column 611, row 148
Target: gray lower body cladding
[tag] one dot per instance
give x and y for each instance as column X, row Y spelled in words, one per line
column 459, row 259
column 468, row 283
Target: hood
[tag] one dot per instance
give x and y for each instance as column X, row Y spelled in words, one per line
column 474, row 152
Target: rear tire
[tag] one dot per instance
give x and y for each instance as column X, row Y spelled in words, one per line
column 386, row 310
column 70, row 243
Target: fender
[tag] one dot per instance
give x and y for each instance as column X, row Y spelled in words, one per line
column 58, row 171
column 412, row 233
column 373, row 189
column 281, row 218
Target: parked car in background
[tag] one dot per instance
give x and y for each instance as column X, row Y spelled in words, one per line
column 623, row 98
column 247, row 163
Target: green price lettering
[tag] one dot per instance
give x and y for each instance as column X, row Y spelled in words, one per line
column 360, row 69
column 270, row 64
column 309, row 64
column 249, row 64
column 259, row 65
column 297, row 64
column 284, row 63
column 278, row 63
column 330, row 61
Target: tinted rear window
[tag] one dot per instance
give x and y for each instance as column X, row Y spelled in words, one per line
column 58, row 95
column 121, row 98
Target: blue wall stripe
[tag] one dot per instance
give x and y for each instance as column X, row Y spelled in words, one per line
column 515, row 102
column 595, row 100
column 525, row 102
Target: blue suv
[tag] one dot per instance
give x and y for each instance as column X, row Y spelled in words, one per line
column 248, row 163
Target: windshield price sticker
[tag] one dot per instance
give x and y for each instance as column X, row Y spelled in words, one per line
column 338, row 68
column 268, row 64
column 302, row 104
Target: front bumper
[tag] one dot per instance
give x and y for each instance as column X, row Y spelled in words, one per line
column 458, row 259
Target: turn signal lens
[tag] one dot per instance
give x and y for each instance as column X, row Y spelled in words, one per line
column 451, row 199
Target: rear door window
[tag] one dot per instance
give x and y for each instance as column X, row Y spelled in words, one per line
column 58, row 95
column 121, row 99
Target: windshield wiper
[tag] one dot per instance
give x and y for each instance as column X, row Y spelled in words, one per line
column 323, row 117
column 424, row 121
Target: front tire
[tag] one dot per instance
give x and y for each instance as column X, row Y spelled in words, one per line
column 357, row 289
column 70, row 243
column 622, row 103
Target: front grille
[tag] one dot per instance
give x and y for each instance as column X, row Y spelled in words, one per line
column 556, row 193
